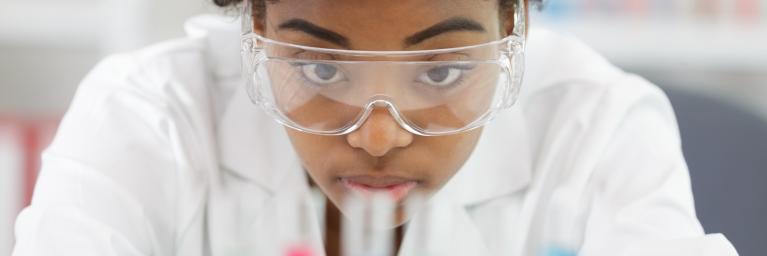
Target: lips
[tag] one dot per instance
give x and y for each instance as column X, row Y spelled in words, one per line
column 397, row 187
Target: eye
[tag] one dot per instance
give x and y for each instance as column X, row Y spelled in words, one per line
column 321, row 73
column 441, row 76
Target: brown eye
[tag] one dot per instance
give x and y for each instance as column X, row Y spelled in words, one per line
column 441, row 76
column 321, row 73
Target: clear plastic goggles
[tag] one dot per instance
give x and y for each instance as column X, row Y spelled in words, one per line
column 429, row 93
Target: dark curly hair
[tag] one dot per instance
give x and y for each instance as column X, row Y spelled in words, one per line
column 260, row 5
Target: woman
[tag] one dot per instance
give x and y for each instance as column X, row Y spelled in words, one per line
column 164, row 153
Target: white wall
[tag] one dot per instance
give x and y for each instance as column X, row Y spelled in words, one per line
column 47, row 46
column 716, row 47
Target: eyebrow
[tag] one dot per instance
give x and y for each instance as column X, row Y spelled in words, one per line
column 316, row 31
column 448, row 25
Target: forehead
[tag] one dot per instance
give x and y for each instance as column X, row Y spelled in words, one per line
column 379, row 21
column 382, row 10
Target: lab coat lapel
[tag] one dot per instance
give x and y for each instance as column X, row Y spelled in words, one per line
column 251, row 145
column 256, row 148
column 258, row 166
column 259, row 173
column 259, row 170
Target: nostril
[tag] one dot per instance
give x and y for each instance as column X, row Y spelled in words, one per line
column 404, row 138
column 354, row 140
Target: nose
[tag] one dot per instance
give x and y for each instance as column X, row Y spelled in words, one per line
column 379, row 134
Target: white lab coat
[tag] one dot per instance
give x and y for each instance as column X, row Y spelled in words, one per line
column 162, row 153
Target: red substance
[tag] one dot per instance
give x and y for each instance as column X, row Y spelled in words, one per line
column 299, row 250
column 32, row 150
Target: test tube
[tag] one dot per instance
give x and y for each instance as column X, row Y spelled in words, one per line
column 430, row 224
column 562, row 235
column 296, row 217
column 368, row 229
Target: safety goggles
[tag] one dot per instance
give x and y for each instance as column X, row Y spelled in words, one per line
column 428, row 93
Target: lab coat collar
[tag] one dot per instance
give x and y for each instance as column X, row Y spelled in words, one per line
column 221, row 35
column 251, row 146
column 255, row 147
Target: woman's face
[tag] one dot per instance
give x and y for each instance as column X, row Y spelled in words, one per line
column 380, row 155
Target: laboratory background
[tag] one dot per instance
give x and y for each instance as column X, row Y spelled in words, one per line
column 710, row 56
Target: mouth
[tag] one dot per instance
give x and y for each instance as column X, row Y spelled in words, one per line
column 396, row 187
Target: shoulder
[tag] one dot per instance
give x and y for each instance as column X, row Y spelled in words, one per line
column 125, row 143
column 581, row 111
column 168, row 82
column 192, row 76
column 153, row 99
column 160, row 70
column 150, row 100
column 569, row 82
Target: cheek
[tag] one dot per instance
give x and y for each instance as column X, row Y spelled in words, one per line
column 456, row 148
column 312, row 149
column 447, row 154
column 316, row 154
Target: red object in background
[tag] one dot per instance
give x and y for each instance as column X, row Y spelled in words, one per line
column 31, row 142
column 36, row 134
column 748, row 10
column 21, row 142
column 638, row 7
